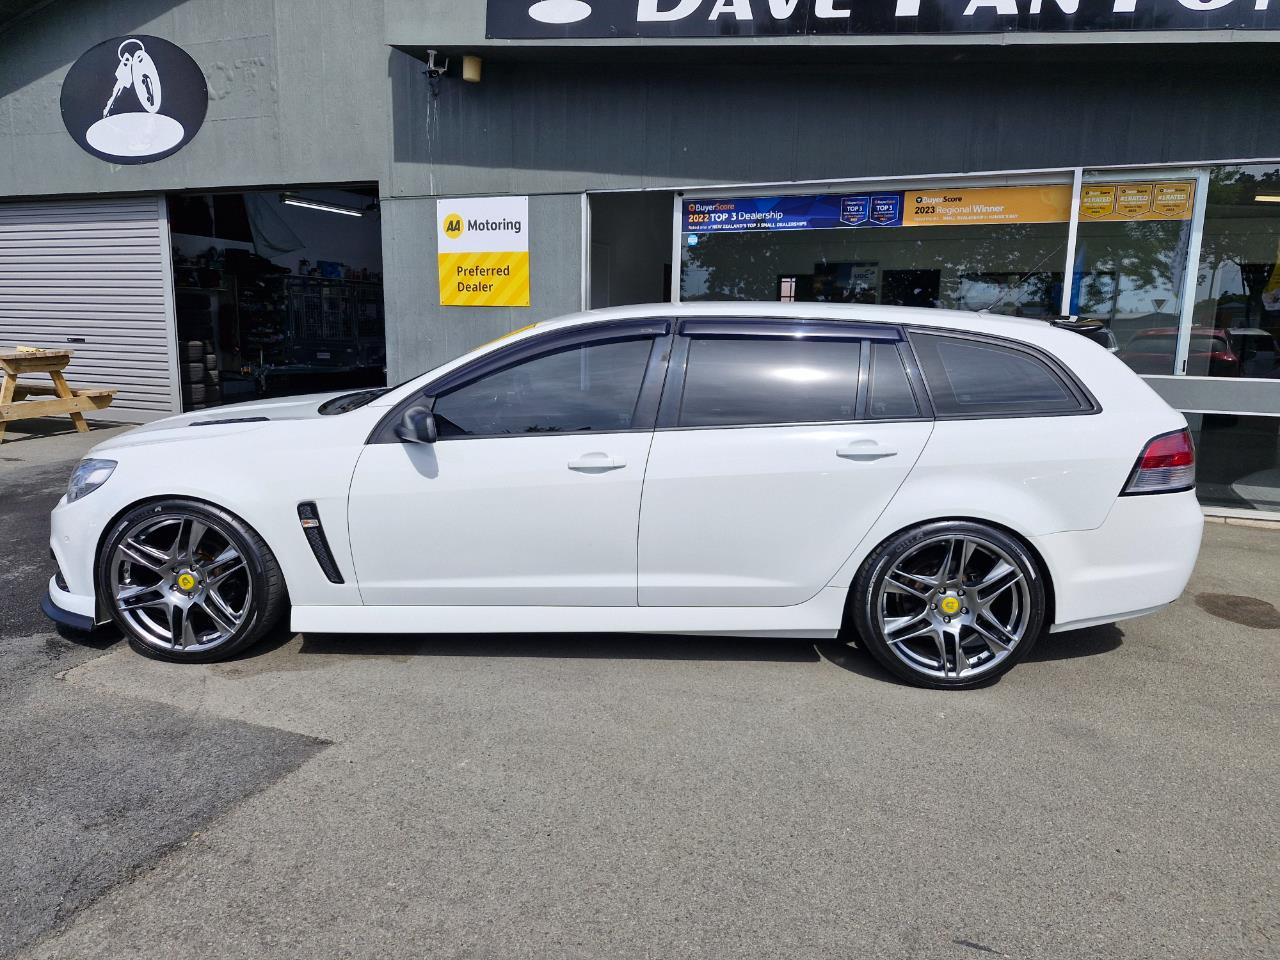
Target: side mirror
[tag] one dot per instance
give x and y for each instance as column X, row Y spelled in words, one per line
column 418, row 425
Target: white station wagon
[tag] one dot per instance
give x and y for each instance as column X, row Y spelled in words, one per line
column 942, row 486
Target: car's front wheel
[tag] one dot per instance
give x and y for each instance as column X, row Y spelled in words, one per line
column 189, row 582
column 949, row 604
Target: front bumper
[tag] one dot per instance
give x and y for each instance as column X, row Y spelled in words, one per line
column 68, row 618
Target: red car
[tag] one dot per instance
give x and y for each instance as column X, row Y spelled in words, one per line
column 1209, row 353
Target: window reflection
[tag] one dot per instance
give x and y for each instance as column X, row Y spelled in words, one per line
column 1130, row 266
column 1238, row 286
column 1237, row 460
column 1007, row 268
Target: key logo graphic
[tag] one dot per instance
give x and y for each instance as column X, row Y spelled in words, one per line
column 116, row 107
column 560, row 11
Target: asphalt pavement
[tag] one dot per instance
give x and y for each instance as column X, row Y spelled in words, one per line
column 94, row 788
column 641, row 797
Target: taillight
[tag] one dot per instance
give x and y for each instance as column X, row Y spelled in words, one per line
column 1167, row 465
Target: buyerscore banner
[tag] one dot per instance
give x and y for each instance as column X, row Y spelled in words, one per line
column 570, row 19
column 482, row 246
column 816, row 212
column 933, row 206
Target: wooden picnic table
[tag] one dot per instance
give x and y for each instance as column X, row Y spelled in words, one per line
column 56, row 400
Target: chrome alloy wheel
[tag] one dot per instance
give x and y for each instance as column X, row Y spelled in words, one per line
column 181, row 583
column 954, row 606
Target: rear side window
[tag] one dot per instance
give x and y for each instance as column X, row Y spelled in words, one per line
column 978, row 378
column 890, row 396
column 737, row 381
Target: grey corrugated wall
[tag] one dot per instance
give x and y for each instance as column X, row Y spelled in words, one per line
column 92, row 270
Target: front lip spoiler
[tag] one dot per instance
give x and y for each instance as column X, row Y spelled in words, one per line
column 55, row 613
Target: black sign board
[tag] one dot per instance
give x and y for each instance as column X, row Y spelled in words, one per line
column 573, row 19
column 134, row 99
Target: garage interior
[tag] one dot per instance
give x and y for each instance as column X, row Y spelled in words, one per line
column 277, row 292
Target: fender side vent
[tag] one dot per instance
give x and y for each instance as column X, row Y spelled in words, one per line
column 309, row 517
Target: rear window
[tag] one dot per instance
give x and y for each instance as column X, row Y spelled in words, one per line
column 737, row 381
column 978, row 378
column 1208, row 344
column 1159, row 344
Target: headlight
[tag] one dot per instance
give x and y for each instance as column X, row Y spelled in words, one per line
column 88, row 477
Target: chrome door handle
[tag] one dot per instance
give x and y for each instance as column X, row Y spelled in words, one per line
column 865, row 450
column 596, row 463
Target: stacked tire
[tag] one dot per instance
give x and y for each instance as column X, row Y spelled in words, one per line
column 201, row 379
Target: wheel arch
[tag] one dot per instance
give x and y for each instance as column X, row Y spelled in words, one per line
column 1046, row 573
column 101, row 613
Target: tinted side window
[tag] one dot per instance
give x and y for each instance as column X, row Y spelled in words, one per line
column 594, row 386
column 891, row 396
column 975, row 378
column 769, row 380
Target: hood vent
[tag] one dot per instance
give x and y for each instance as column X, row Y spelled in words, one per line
column 213, row 423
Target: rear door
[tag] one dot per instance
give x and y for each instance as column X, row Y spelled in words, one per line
column 778, row 445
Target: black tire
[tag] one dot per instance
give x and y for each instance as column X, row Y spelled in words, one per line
column 195, row 392
column 194, row 350
column 194, row 372
column 265, row 606
column 211, row 361
column 867, row 587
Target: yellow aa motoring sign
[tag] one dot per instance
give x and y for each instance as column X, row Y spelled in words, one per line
column 482, row 248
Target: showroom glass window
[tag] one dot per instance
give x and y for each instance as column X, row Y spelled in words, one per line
column 588, row 387
column 1237, row 307
column 1131, row 262
column 1237, row 460
column 1009, row 268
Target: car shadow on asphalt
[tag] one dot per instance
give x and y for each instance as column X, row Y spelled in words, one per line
column 1090, row 642
column 601, row 646
column 102, row 638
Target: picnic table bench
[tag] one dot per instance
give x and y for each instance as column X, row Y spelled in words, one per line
column 16, row 401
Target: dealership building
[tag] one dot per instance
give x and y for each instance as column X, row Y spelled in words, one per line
column 216, row 200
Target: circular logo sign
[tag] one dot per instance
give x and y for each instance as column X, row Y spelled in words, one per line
column 560, row 11
column 453, row 226
column 134, row 99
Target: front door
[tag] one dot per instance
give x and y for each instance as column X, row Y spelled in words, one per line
column 531, row 496
column 785, row 444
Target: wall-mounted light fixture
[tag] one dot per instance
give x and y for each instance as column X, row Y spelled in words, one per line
column 471, row 68
column 294, row 200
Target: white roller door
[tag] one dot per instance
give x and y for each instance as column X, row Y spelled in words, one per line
column 93, row 275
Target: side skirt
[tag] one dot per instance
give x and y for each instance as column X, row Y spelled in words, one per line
column 817, row 619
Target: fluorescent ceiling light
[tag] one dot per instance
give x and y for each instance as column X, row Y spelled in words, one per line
column 293, row 201
column 1267, row 198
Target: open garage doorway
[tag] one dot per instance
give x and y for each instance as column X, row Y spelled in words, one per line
column 631, row 238
column 277, row 292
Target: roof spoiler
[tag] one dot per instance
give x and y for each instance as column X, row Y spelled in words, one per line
column 1094, row 330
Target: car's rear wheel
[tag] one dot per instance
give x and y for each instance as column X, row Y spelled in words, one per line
column 189, row 582
column 949, row 604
